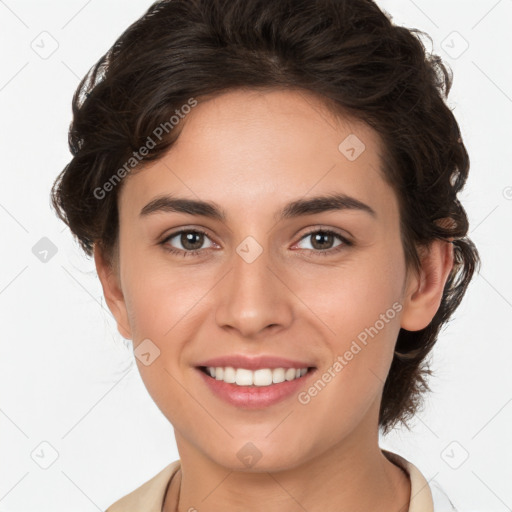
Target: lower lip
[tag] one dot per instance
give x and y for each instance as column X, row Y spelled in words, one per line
column 254, row 397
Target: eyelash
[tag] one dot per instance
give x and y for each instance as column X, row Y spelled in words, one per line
column 327, row 252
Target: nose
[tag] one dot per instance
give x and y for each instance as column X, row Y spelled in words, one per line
column 254, row 298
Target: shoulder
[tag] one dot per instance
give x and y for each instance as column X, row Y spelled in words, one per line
column 425, row 496
column 150, row 495
column 441, row 501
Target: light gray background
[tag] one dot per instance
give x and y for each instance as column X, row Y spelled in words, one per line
column 68, row 378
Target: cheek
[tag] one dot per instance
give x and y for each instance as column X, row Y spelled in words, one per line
column 360, row 293
column 159, row 296
column 171, row 395
column 357, row 307
column 349, row 385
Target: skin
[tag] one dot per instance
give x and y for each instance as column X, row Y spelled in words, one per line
column 251, row 152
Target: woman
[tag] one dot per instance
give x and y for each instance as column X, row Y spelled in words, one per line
column 269, row 191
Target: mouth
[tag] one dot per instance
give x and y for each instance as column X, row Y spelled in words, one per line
column 255, row 378
column 254, row 389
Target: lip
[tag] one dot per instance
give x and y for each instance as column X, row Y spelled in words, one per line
column 255, row 397
column 255, row 362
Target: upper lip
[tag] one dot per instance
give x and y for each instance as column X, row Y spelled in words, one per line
column 254, row 363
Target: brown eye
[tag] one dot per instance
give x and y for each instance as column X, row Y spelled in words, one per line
column 322, row 241
column 191, row 241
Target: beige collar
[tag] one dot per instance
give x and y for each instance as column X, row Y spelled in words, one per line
column 149, row 497
column 421, row 496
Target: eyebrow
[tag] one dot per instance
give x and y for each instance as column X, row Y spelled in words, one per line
column 298, row 208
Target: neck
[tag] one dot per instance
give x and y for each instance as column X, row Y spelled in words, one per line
column 352, row 476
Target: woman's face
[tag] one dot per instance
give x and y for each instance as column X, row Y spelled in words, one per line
column 263, row 283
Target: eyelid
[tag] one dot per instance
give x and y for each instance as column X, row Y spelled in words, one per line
column 327, row 229
column 178, row 230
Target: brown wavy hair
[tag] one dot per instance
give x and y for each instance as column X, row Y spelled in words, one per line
column 349, row 54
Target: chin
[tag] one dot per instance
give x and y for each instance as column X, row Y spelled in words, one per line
column 253, row 456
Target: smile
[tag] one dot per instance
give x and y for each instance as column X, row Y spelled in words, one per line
column 259, row 377
column 254, row 389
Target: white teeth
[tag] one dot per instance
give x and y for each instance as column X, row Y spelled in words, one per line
column 229, row 375
column 289, row 374
column 261, row 377
column 278, row 375
column 243, row 377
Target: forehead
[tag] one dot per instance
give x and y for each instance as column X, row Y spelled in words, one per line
column 249, row 149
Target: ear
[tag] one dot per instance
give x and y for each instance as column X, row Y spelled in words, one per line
column 425, row 289
column 110, row 282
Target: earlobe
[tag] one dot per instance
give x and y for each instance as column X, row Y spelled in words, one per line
column 425, row 289
column 113, row 293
